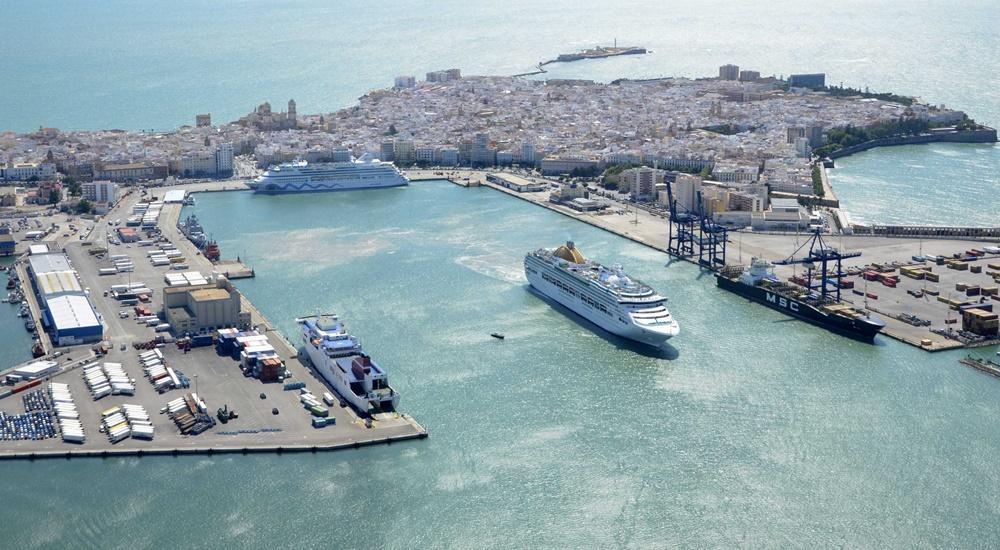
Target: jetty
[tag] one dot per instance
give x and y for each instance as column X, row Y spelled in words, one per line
column 597, row 52
column 271, row 417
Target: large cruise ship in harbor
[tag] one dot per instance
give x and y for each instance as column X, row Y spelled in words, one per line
column 303, row 177
column 605, row 296
column 338, row 357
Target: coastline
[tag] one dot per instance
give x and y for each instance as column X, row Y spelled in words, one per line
column 983, row 135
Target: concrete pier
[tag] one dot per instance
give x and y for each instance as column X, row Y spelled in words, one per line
column 217, row 379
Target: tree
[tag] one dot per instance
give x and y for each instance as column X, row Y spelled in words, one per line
column 706, row 173
column 84, row 207
column 55, row 196
column 817, row 179
column 72, row 186
column 392, row 130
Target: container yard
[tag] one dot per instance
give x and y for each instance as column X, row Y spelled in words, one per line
column 935, row 302
column 149, row 388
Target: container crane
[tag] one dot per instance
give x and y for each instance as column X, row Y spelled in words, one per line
column 819, row 252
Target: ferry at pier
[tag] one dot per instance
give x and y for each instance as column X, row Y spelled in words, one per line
column 303, row 177
column 339, row 359
column 605, row 296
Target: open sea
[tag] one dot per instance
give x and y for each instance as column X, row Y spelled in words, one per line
column 749, row 429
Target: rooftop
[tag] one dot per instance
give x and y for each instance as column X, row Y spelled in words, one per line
column 47, row 263
column 210, row 294
column 72, row 311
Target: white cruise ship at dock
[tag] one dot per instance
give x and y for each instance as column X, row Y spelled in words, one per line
column 605, row 296
column 338, row 358
column 303, row 177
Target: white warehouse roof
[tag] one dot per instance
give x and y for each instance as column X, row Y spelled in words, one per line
column 58, row 282
column 47, row 263
column 174, row 195
column 69, row 312
column 36, row 249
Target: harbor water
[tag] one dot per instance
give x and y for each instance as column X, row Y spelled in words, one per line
column 750, row 429
column 747, row 429
column 952, row 184
column 15, row 342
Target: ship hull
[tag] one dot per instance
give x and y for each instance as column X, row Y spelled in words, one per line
column 268, row 189
column 864, row 330
column 610, row 323
column 324, row 366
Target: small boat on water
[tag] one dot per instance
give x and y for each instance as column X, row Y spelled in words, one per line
column 29, row 325
column 497, row 335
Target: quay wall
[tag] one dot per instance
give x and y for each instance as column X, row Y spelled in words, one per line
column 929, row 231
column 984, row 135
column 236, row 449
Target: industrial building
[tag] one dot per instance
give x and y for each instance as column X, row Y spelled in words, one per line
column 73, row 320
column 7, row 242
column 517, row 183
column 34, row 370
column 195, row 308
column 67, row 313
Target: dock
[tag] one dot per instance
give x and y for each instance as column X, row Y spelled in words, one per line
column 234, row 269
column 216, row 378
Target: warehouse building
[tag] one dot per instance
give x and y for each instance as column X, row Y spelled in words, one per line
column 48, row 263
column 68, row 314
column 72, row 320
column 194, row 308
column 7, row 244
column 33, row 371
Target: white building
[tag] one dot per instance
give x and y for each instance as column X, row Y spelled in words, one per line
column 224, row 159
column 641, row 182
column 27, row 170
column 100, row 191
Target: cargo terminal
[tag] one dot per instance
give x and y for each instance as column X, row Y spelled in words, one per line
column 186, row 364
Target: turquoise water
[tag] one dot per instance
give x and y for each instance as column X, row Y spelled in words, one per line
column 15, row 342
column 120, row 64
column 934, row 184
column 750, row 429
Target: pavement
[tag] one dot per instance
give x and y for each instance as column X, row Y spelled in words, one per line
column 217, row 379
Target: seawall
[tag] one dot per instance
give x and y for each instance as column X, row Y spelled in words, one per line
column 983, row 135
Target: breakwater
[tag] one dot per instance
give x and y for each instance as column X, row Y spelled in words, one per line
column 982, row 135
column 928, row 231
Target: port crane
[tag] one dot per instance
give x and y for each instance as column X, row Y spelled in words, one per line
column 695, row 228
column 682, row 242
column 820, row 253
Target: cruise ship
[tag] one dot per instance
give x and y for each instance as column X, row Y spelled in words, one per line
column 338, row 357
column 302, row 177
column 605, row 296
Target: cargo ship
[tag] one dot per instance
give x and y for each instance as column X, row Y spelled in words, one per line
column 819, row 305
column 605, row 296
column 339, row 359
